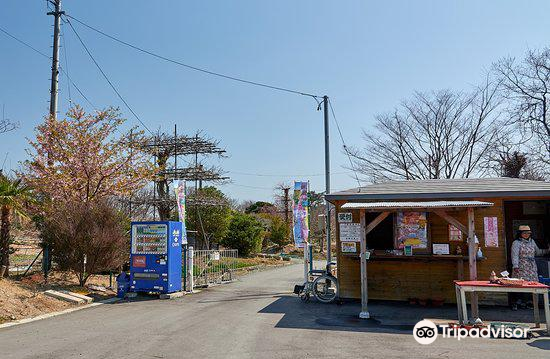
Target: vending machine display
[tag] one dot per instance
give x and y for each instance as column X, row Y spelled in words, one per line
column 155, row 257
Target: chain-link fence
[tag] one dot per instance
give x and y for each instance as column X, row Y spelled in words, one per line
column 26, row 258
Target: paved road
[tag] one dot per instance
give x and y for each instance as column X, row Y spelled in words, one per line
column 256, row 317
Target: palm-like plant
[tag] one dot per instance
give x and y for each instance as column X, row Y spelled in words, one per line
column 14, row 200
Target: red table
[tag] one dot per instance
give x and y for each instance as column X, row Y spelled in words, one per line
column 484, row 286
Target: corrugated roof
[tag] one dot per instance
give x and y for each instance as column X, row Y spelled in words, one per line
column 407, row 205
column 446, row 188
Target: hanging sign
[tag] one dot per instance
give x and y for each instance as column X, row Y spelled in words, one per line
column 179, row 187
column 412, row 229
column 455, row 234
column 490, row 228
column 345, row 217
column 350, row 232
column 300, row 209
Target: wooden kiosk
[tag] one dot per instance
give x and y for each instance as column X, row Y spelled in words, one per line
column 410, row 240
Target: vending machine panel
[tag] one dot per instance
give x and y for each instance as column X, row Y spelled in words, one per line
column 155, row 257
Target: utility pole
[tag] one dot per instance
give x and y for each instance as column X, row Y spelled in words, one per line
column 46, row 255
column 327, row 176
column 55, row 57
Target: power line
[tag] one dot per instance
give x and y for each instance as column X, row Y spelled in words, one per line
column 24, row 43
column 48, row 57
column 245, row 186
column 228, row 77
column 66, row 64
column 107, row 78
column 284, row 175
column 344, row 143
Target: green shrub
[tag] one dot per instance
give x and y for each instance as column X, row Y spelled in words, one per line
column 245, row 234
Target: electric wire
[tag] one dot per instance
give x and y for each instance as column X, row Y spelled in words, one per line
column 195, row 68
column 107, row 78
column 66, row 64
column 278, row 88
column 344, row 143
column 284, row 175
column 246, row 186
column 49, row 58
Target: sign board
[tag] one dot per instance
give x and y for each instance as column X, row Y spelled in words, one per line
column 349, row 247
column 350, row 232
column 490, row 231
column 345, row 217
column 455, row 234
column 412, row 229
column 440, row 248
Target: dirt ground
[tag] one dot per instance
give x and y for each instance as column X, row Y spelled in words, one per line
column 19, row 300
column 25, row 298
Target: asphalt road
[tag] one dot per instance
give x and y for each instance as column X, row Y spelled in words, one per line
column 255, row 317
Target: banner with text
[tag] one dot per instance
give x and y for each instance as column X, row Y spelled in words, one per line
column 179, row 187
column 300, row 209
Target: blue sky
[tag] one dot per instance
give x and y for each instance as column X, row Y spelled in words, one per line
column 366, row 55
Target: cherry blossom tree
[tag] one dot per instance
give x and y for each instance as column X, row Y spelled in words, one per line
column 85, row 157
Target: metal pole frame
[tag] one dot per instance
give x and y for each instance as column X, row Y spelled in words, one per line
column 327, row 177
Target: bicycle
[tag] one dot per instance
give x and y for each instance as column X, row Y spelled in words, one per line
column 321, row 284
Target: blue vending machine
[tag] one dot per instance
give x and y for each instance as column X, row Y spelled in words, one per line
column 155, row 257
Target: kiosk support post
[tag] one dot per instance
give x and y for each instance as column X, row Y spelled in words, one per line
column 363, row 257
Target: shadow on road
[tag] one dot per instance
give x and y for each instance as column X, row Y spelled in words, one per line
column 540, row 343
column 387, row 316
column 318, row 316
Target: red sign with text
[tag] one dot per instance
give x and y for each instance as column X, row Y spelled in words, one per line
column 139, row 261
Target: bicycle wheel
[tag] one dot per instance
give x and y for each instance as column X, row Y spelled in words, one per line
column 325, row 288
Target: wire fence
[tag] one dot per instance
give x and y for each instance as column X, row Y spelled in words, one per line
column 214, row 266
column 25, row 259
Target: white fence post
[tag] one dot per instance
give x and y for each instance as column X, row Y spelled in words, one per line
column 306, row 261
column 189, row 274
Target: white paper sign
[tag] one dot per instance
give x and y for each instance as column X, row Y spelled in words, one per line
column 345, row 217
column 349, row 247
column 440, row 248
column 350, row 232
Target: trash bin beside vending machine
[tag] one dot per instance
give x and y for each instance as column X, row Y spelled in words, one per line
column 155, row 257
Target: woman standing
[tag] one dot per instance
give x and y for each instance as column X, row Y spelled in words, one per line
column 524, row 250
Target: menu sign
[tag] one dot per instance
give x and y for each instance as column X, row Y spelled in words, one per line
column 350, row 232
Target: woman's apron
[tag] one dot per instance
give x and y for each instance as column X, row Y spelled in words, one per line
column 527, row 266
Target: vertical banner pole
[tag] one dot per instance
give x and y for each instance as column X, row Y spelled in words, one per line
column 184, row 268
column 300, row 229
column 190, row 269
column 305, row 263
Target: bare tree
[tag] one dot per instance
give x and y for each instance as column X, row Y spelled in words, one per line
column 6, row 125
column 526, row 86
column 442, row 134
column 510, row 157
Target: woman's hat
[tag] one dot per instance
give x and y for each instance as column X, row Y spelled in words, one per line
column 524, row 228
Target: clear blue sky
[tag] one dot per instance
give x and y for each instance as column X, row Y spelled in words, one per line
column 366, row 55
